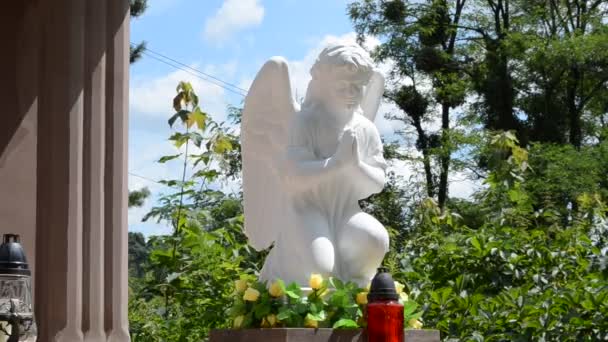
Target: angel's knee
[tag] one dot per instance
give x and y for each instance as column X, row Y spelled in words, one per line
column 362, row 245
column 313, row 235
column 323, row 255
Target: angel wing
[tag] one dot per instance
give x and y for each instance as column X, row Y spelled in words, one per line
column 269, row 107
column 373, row 96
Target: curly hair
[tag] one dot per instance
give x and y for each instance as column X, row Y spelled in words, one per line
column 338, row 57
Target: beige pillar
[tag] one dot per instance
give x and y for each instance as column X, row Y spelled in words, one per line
column 59, row 199
column 117, row 142
column 81, row 237
column 95, row 150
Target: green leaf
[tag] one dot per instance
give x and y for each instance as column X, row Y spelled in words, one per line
column 178, row 139
column 182, row 114
column 416, row 315
column 295, row 288
column 285, row 314
column 339, row 299
column 319, row 316
column 196, row 138
column 165, row 159
column 409, row 307
column 185, row 87
column 475, row 243
column 345, row 323
column 292, row 294
column 222, row 144
column 301, row 308
column 210, row 175
column 336, row 283
column 197, row 117
column 261, row 309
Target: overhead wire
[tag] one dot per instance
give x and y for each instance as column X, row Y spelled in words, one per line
column 194, row 72
column 148, row 179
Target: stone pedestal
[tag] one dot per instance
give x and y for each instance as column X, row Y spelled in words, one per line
column 311, row 335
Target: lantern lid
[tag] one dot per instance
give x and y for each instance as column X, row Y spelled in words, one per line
column 383, row 287
column 12, row 256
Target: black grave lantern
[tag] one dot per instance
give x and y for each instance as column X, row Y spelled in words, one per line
column 16, row 312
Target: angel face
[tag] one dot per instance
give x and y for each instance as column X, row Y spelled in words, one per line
column 344, row 90
column 339, row 77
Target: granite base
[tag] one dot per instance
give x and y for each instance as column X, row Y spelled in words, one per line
column 311, row 335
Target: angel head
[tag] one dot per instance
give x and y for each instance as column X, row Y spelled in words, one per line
column 339, row 77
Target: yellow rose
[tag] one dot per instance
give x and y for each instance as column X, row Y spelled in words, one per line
column 238, row 322
column 240, row 285
column 404, row 297
column 272, row 320
column 311, row 323
column 399, row 287
column 361, row 298
column 251, row 294
column 275, row 290
column 414, row 323
column 316, row 280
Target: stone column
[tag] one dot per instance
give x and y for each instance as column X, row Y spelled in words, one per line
column 116, row 186
column 94, row 173
column 81, row 234
column 59, row 172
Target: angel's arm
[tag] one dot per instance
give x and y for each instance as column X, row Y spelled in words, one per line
column 374, row 179
column 372, row 169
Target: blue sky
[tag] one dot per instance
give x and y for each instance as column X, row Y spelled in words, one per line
column 229, row 39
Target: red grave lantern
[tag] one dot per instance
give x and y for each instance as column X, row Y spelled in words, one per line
column 384, row 312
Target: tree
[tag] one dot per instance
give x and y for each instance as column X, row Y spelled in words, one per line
column 539, row 66
column 137, row 197
column 564, row 68
column 421, row 39
column 488, row 26
column 138, row 7
column 139, row 253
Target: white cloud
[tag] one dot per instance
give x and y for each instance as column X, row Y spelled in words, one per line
column 233, row 16
column 154, row 96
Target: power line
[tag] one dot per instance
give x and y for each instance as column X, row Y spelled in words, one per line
column 195, row 72
column 148, row 179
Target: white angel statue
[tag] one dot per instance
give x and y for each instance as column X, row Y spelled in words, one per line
column 304, row 170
